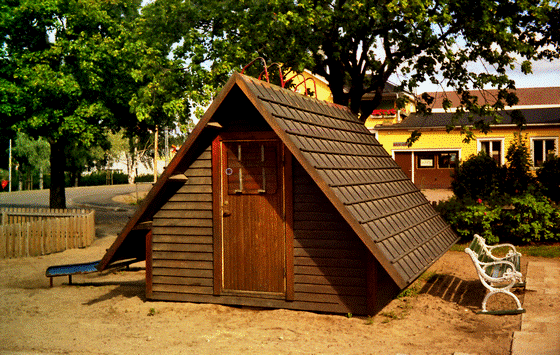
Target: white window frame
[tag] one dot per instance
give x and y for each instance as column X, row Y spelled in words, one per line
column 502, row 141
column 544, row 138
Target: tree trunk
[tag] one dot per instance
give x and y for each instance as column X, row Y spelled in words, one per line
column 58, row 165
column 131, row 162
column 40, row 178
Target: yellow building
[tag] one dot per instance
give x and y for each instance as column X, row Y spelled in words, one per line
column 431, row 160
column 308, row 82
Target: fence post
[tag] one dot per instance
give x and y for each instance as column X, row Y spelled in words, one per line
column 2, row 241
column 27, row 235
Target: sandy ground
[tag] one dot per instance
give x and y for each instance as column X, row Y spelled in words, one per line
column 107, row 313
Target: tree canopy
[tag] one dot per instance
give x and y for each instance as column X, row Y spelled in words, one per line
column 357, row 45
column 70, row 70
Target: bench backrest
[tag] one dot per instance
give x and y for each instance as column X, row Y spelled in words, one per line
column 477, row 244
column 478, row 247
column 488, row 270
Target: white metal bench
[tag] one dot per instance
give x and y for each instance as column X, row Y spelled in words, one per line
column 497, row 274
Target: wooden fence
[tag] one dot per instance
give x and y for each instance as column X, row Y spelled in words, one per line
column 33, row 232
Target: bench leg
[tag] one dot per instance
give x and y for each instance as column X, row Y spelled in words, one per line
column 510, row 311
column 51, row 281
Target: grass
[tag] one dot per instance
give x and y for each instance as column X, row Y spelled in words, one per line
column 545, row 251
column 541, row 250
column 414, row 289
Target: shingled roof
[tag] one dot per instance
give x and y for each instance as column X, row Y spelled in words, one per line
column 533, row 116
column 379, row 202
column 542, row 97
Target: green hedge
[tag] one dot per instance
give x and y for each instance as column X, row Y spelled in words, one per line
column 520, row 220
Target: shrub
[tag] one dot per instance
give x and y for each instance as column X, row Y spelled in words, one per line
column 532, row 219
column 471, row 218
column 518, row 176
column 477, row 177
column 144, row 178
column 549, row 178
column 519, row 220
column 101, row 178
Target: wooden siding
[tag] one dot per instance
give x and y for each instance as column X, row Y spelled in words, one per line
column 329, row 258
column 182, row 236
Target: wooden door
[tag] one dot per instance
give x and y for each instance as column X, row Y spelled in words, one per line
column 252, row 215
column 404, row 159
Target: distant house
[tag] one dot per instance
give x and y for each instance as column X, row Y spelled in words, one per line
column 430, row 161
column 279, row 200
column 309, row 83
column 388, row 111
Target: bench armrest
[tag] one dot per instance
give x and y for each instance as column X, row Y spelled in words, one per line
column 511, row 275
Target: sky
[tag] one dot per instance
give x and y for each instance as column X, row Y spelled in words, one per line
column 545, row 74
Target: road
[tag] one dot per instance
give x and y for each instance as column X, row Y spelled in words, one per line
column 110, row 216
column 97, row 197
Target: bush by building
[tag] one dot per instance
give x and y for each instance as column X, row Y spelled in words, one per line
column 505, row 204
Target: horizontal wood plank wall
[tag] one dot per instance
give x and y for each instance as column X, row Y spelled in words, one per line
column 182, row 237
column 329, row 259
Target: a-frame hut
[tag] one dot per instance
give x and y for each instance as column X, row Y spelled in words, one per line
column 280, row 200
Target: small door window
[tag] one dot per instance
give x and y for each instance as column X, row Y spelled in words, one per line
column 251, row 167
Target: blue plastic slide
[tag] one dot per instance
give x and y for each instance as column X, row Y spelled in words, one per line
column 63, row 270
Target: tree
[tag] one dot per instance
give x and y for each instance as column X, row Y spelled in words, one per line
column 31, row 155
column 518, row 176
column 548, row 175
column 358, row 44
column 158, row 91
column 57, row 52
column 478, row 177
column 72, row 68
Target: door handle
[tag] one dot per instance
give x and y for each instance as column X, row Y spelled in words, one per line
column 225, row 209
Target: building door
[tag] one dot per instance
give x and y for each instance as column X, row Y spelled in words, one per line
column 404, row 159
column 252, row 240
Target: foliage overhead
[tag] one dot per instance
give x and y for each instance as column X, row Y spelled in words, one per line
column 357, row 45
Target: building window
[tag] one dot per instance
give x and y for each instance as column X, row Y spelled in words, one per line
column 543, row 149
column 440, row 160
column 448, row 160
column 493, row 148
column 426, row 160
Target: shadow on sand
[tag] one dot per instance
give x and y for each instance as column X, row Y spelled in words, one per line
column 468, row 294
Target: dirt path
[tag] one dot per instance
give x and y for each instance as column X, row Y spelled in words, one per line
column 108, row 314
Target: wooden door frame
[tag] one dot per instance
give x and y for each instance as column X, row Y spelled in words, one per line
column 287, row 206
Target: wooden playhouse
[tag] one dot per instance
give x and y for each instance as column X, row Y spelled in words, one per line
column 280, row 200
